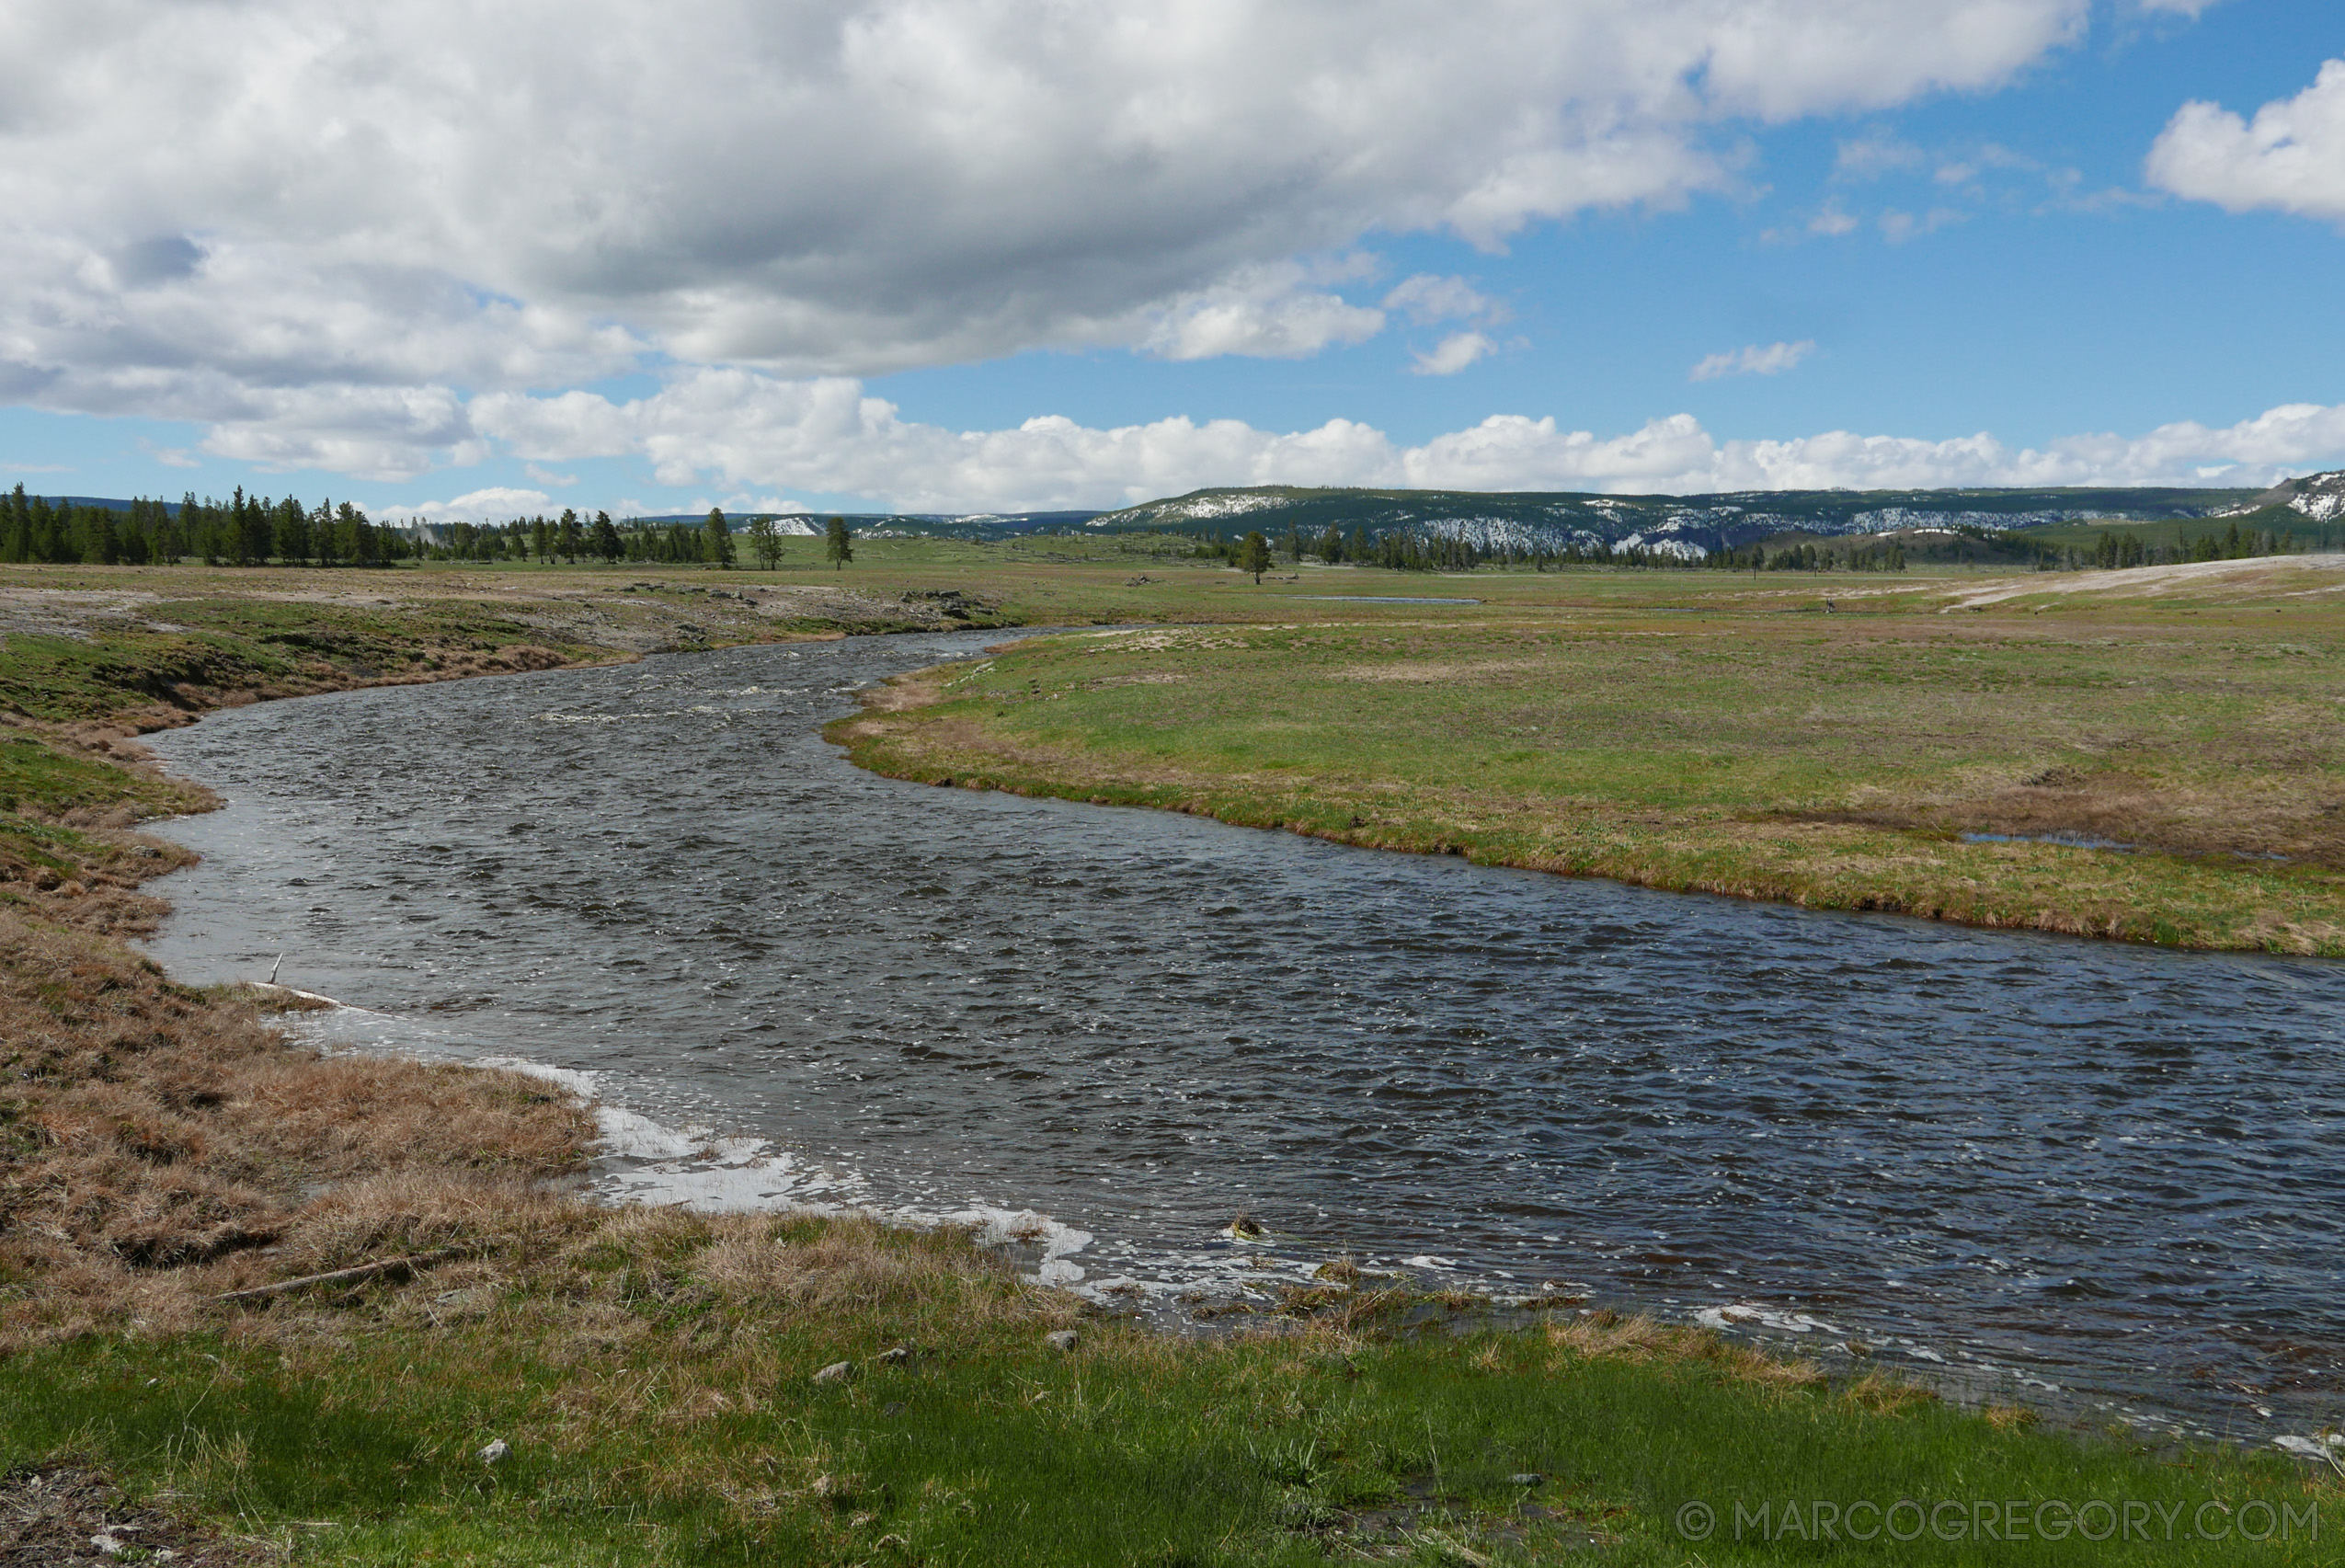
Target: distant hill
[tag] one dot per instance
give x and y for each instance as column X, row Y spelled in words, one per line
column 1688, row 524
column 105, row 503
column 883, row 525
column 2320, row 496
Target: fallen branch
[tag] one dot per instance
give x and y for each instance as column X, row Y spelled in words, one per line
column 363, row 1271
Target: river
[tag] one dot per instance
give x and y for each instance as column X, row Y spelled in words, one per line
column 2107, row 1176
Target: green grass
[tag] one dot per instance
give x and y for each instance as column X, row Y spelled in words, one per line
column 37, row 775
column 1743, row 743
column 987, row 1448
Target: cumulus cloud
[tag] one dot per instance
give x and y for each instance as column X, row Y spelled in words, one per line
column 287, row 208
column 1752, row 360
column 1453, row 354
column 744, row 430
column 2291, row 156
column 1269, row 312
column 495, row 504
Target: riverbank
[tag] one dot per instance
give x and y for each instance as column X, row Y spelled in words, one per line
column 651, row 1380
column 2154, row 756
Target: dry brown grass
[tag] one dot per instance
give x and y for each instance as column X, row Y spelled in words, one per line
column 1607, row 1336
column 163, row 1145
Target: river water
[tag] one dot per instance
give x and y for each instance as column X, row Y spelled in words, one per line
column 2110, row 1176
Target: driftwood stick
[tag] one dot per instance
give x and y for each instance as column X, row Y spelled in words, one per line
column 339, row 1275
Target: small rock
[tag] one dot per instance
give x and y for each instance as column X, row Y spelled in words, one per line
column 897, row 1357
column 106, row 1544
column 1063, row 1339
column 496, row 1449
column 837, row 1372
column 1527, row 1478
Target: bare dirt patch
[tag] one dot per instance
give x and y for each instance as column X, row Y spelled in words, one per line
column 2260, row 575
column 61, row 1519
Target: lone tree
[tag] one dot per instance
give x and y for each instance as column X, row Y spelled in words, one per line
column 766, row 540
column 839, row 544
column 718, row 543
column 1253, row 556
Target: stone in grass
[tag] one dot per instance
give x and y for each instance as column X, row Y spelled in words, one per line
column 895, row 1357
column 837, row 1372
column 1063, row 1339
column 496, row 1449
column 1528, row 1478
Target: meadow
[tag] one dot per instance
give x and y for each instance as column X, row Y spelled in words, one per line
column 2152, row 755
column 648, row 1383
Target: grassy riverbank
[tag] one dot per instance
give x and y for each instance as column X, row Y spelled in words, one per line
column 1715, row 736
column 652, row 1375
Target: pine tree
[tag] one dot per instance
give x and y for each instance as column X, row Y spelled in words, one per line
column 1253, row 554
column 838, row 545
column 765, row 539
column 717, row 546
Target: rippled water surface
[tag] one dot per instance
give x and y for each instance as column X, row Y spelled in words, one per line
column 2113, row 1170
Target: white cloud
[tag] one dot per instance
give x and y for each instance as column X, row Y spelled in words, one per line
column 751, row 432
column 2291, row 156
column 547, row 476
column 1270, row 311
column 497, row 504
column 371, row 432
column 1426, row 299
column 1453, row 354
column 304, row 220
column 1871, row 156
column 1832, row 221
column 1773, row 360
column 1898, row 227
column 745, row 502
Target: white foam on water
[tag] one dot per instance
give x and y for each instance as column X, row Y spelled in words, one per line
column 1742, row 1314
column 2329, row 1446
column 641, row 1160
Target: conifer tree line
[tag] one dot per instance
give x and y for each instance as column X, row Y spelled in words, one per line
column 243, row 531
column 2112, row 550
column 247, row 531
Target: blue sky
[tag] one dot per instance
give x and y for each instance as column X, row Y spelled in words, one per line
column 1888, row 245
